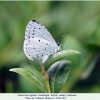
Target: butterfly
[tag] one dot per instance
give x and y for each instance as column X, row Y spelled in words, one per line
column 38, row 42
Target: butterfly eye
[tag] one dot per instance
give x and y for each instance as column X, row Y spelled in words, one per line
column 59, row 44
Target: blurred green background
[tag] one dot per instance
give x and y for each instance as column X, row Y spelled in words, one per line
column 80, row 21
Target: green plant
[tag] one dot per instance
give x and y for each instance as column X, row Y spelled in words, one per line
column 54, row 72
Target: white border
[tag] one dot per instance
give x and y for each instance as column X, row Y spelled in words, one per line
column 50, row 96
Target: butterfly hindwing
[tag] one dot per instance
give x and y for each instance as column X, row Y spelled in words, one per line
column 42, row 50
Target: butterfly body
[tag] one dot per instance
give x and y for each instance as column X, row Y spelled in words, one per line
column 38, row 42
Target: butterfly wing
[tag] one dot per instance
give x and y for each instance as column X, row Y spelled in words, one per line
column 38, row 42
column 36, row 29
column 38, row 48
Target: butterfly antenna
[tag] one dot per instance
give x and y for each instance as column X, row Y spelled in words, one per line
column 61, row 37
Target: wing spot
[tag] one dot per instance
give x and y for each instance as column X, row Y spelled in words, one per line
column 34, row 27
column 39, row 40
column 33, row 33
column 33, row 37
column 34, row 20
column 39, row 28
column 45, row 49
column 37, row 55
column 38, row 22
column 33, row 58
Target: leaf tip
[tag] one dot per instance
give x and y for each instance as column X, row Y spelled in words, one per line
column 78, row 52
column 75, row 51
column 10, row 69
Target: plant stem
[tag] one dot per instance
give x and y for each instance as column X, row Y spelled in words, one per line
column 46, row 78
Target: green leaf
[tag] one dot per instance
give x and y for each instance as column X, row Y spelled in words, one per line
column 58, row 73
column 89, row 69
column 61, row 54
column 30, row 77
column 93, row 45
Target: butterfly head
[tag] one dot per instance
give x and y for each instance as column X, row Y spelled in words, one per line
column 58, row 44
column 58, row 47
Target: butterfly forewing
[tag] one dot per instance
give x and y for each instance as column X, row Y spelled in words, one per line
column 36, row 29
